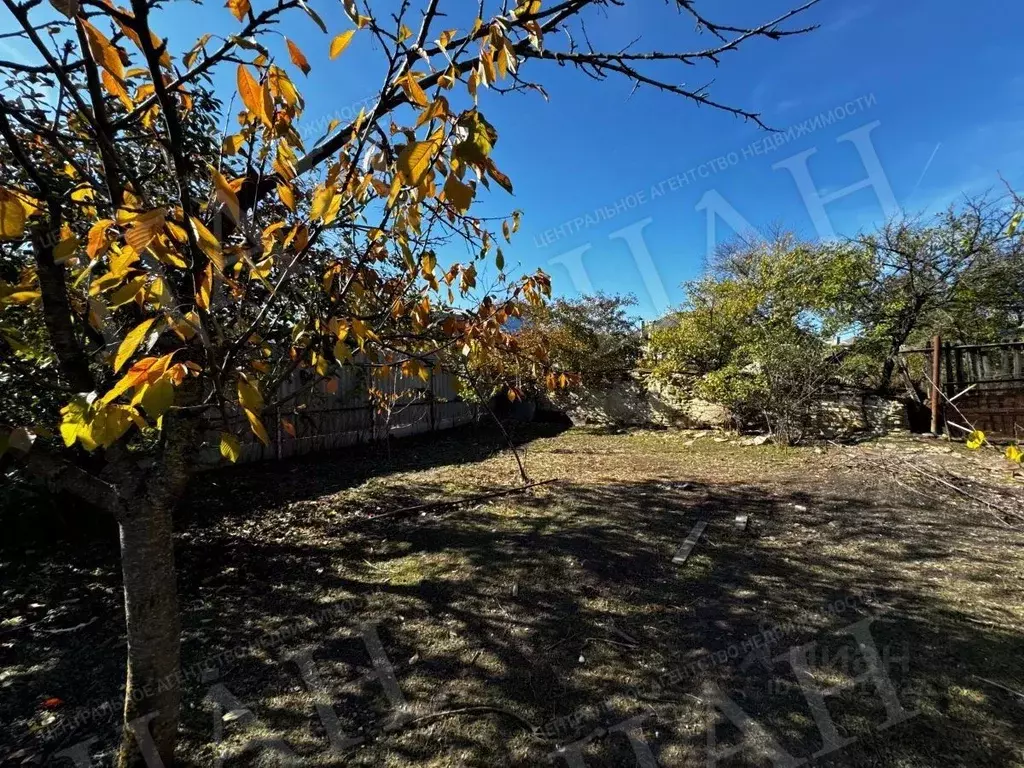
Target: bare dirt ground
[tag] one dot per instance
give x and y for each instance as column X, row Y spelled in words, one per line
column 517, row 625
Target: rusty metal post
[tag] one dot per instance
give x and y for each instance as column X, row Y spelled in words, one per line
column 936, row 399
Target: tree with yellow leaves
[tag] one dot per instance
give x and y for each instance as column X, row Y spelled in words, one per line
column 174, row 281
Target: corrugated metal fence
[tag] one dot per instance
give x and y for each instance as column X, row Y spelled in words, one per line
column 337, row 412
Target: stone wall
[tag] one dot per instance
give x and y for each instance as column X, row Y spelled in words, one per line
column 848, row 413
column 639, row 402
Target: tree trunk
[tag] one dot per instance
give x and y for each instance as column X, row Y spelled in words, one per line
column 153, row 688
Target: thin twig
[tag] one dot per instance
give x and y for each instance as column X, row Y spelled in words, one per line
column 478, row 710
column 466, row 500
column 999, row 685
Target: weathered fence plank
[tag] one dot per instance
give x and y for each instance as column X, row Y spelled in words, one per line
column 340, row 414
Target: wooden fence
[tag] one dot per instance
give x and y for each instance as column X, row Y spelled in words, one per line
column 339, row 412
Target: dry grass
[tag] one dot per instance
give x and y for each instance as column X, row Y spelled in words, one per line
column 565, row 600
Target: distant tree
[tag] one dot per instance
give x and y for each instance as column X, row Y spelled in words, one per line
column 754, row 334
column 592, row 339
column 957, row 274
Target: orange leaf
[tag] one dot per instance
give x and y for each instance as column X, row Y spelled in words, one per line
column 116, row 88
column 254, row 97
column 297, row 57
column 102, row 50
column 239, row 8
column 98, row 242
column 131, row 34
column 144, row 228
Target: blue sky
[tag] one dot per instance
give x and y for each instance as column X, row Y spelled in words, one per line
column 945, row 85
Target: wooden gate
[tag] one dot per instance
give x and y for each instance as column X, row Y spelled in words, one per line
column 977, row 386
column 984, row 387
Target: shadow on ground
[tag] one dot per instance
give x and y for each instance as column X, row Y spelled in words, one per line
column 561, row 609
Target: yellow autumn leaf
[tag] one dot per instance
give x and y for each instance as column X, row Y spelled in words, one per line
column 226, row 195
column 1014, row 453
column 230, row 448
column 251, row 400
column 257, row 427
column 976, row 439
column 65, row 249
column 340, row 43
column 232, row 144
column 83, row 193
column 239, row 8
column 21, row 297
column 287, row 196
column 102, row 50
column 322, row 199
column 131, row 342
column 144, row 228
column 413, row 90
column 205, row 288
column 249, row 396
column 415, row 161
column 332, row 210
column 131, row 34
column 12, row 216
column 437, row 108
column 127, row 292
column 159, row 293
column 208, row 244
column 458, row 194
column 158, row 397
column 116, row 88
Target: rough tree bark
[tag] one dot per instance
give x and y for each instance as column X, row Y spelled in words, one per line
column 153, row 691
